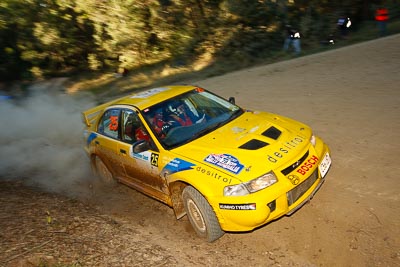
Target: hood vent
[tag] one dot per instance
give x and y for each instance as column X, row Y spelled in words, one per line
column 253, row 144
column 272, row 132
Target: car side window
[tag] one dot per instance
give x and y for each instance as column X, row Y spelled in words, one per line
column 132, row 127
column 109, row 123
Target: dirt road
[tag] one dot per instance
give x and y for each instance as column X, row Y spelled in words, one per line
column 350, row 97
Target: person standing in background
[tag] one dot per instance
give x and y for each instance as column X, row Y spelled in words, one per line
column 381, row 17
column 292, row 38
column 344, row 24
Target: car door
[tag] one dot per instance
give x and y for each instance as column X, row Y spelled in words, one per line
column 106, row 143
column 141, row 169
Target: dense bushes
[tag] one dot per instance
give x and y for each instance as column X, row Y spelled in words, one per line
column 40, row 38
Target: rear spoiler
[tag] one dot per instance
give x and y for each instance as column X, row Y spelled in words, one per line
column 89, row 116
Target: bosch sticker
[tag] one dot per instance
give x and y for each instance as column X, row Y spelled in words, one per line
column 225, row 161
column 308, row 165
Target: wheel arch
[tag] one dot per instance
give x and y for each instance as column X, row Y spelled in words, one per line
column 93, row 165
column 92, row 158
column 176, row 189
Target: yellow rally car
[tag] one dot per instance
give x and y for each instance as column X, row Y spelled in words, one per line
column 227, row 168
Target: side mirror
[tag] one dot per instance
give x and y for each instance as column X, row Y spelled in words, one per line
column 140, row 146
column 232, row 100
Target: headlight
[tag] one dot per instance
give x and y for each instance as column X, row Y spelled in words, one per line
column 252, row 186
column 235, row 190
column 313, row 140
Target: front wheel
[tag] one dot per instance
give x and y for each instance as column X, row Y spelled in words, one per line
column 201, row 215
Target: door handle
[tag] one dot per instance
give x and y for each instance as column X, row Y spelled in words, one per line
column 97, row 142
column 123, row 151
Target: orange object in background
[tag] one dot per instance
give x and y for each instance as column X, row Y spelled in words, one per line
column 381, row 14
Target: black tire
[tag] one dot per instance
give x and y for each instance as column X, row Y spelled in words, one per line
column 102, row 171
column 201, row 215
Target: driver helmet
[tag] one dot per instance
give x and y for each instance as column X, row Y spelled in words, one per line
column 176, row 107
column 158, row 114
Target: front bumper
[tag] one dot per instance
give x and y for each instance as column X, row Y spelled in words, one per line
column 248, row 212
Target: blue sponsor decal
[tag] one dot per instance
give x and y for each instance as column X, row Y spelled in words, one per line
column 225, row 161
column 90, row 138
column 142, row 156
column 177, row 165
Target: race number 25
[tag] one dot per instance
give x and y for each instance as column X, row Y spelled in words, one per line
column 154, row 159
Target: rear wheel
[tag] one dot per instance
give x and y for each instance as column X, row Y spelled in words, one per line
column 201, row 215
column 102, row 171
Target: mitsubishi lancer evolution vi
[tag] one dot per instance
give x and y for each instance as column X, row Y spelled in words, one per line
column 227, row 168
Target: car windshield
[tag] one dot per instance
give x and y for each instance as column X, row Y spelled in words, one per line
column 189, row 116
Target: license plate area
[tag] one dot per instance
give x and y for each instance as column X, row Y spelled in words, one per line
column 325, row 165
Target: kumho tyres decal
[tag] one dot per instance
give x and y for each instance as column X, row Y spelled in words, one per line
column 225, row 161
column 251, row 206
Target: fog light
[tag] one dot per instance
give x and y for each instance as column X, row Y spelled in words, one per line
column 272, row 205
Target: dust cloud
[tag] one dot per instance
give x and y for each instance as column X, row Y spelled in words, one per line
column 41, row 141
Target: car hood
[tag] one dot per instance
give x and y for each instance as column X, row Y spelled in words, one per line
column 251, row 145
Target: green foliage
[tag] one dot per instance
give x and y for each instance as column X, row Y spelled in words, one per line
column 46, row 35
column 42, row 38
